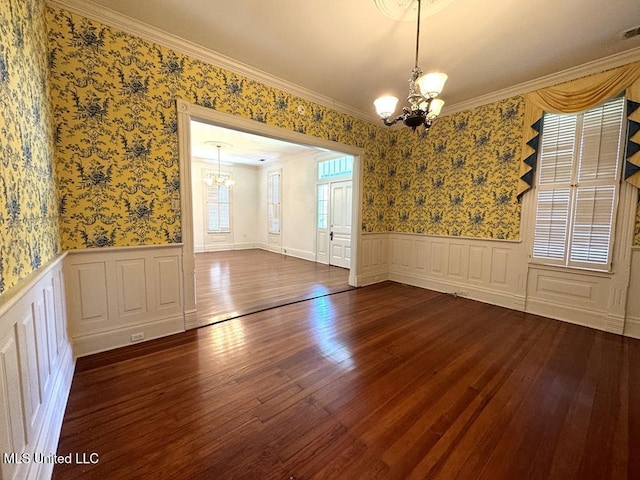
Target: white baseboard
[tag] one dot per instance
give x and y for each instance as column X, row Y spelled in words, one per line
column 190, row 319
column 121, row 337
column 371, row 278
column 632, row 327
column 493, row 297
column 224, row 247
column 566, row 313
column 244, row 246
column 302, row 254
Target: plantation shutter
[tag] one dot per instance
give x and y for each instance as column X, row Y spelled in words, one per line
column 577, row 187
column 218, row 209
column 273, row 202
column 597, row 183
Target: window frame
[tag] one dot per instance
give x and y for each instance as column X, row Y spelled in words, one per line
column 274, row 205
column 574, row 187
column 206, row 197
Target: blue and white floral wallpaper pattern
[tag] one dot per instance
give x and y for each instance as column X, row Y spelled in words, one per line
column 28, row 206
column 117, row 161
column 459, row 179
column 105, row 100
column 114, row 100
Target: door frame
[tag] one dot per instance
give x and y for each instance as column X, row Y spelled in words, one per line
column 329, row 183
column 186, row 112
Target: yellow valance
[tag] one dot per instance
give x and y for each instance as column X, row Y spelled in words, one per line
column 576, row 96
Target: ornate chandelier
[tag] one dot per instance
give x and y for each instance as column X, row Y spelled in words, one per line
column 424, row 106
column 220, row 180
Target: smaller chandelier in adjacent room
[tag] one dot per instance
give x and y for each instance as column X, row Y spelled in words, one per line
column 219, row 180
column 424, row 106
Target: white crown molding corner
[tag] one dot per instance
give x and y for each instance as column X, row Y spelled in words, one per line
column 131, row 26
column 109, row 17
column 596, row 66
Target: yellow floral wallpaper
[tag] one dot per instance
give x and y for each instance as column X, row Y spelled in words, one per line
column 117, row 158
column 114, row 102
column 114, row 99
column 458, row 179
column 28, row 207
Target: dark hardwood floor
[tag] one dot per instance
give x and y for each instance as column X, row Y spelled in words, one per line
column 387, row 382
column 233, row 283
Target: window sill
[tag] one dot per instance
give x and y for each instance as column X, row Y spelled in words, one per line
column 574, row 270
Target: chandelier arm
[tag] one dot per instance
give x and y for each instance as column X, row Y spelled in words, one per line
column 418, row 35
column 388, row 122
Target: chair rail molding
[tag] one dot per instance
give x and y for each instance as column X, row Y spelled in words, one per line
column 123, row 295
column 36, row 369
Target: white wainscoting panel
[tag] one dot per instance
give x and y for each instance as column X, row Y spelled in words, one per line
column 492, row 271
column 499, row 272
column 36, row 369
column 632, row 323
column 374, row 260
column 119, row 296
column 576, row 296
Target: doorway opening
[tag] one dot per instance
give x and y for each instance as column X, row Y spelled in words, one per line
column 297, row 236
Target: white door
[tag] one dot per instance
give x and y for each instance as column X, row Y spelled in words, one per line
column 340, row 202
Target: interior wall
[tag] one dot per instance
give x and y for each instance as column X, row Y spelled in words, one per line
column 29, row 235
column 460, row 178
column 114, row 97
column 244, row 209
column 298, row 185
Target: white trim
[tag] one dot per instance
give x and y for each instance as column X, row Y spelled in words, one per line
column 459, row 289
column 47, row 440
column 108, row 340
column 20, row 289
column 188, row 111
column 632, row 327
column 568, row 313
column 301, row 254
column 596, row 66
column 131, row 26
column 113, row 294
column 140, row 29
column 36, row 369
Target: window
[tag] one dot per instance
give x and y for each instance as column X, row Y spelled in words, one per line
column 577, row 186
column 323, row 205
column 273, row 202
column 337, row 167
column 218, row 208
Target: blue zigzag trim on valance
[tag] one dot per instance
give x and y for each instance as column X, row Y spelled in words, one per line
column 532, row 159
column 630, row 169
column 633, row 127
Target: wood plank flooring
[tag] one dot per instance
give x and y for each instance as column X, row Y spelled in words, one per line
column 383, row 382
column 233, row 283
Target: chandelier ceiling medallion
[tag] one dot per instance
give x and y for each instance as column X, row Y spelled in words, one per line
column 424, row 106
column 219, row 180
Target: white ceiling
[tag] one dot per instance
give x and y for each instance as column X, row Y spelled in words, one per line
column 347, row 50
column 240, row 147
column 350, row 52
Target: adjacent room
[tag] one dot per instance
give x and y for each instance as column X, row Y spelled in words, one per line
column 271, row 221
column 394, row 239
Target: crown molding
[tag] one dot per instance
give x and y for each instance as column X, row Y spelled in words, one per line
column 597, row 66
column 109, row 17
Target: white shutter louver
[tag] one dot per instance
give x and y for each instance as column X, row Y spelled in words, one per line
column 218, row 208
column 552, row 223
column 578, row 176
column 273, row 202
